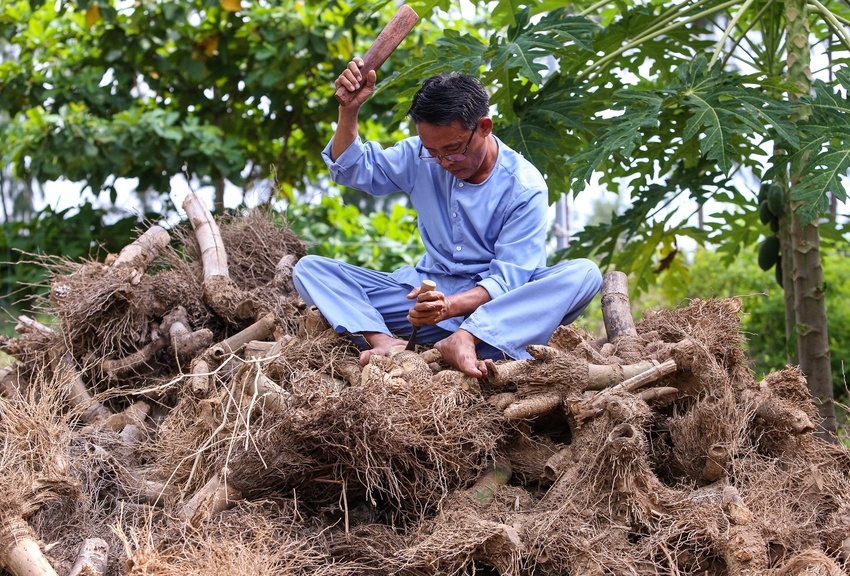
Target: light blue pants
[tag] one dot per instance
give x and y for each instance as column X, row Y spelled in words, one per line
column 357, row 300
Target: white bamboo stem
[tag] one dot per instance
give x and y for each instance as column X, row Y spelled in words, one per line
column 138, row 255
column 92, row 559
column 213, row 255
column 19, row 551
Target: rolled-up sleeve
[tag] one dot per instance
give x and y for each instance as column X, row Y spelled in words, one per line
column 371, row 168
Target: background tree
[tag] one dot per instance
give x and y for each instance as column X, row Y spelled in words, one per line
column 235, row 91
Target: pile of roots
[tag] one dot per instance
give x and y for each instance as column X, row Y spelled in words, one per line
column 188, row 414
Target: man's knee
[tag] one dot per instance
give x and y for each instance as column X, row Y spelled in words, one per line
column 580, row 275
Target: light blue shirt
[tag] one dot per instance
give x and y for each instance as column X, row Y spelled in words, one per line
column 492, row 233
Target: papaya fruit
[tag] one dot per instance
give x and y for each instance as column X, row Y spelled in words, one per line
column 779, row 271
column 768, row 253
column 763, row 192
column 775, row 198
column 774, row 225
column 765, row 215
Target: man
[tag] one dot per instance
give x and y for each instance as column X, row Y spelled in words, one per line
column 482, row 216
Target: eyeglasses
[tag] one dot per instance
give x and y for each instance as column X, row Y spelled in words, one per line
column 460, row 157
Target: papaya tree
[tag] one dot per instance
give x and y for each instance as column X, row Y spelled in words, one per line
column 687, row 106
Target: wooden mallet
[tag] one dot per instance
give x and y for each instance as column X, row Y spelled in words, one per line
column 388, row 40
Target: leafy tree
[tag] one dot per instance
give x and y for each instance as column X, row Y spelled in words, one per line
column 680, row 103
column 233, row 90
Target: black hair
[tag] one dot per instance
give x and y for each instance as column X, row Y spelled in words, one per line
column 444, row 98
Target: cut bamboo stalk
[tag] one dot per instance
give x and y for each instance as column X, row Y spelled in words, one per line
column 213, row 255
column 27, row 325
column 657, row 393
column 199, row 381
column 216, row 496
column 19, row 551
column 262, row 329
column 617, row 313
column 91, row 411
column 117, row 367
column 92, row 559
column 715, row 463
column 219, row 292
column 137, row 256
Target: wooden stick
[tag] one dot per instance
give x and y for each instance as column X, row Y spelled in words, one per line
column 92, row 559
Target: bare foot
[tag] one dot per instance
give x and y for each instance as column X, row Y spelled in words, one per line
column 458, row 351
column 382, row 345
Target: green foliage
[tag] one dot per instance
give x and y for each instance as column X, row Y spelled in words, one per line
column 137, row 91
column 378, row 241
column 823, row 155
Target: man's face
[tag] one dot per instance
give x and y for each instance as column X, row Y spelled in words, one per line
column 444, row 142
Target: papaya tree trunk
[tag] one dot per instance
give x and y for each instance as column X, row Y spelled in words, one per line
column 807, row 272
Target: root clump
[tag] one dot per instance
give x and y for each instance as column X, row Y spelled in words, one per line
column 151, row 431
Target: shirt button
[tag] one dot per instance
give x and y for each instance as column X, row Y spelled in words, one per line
column 454, row 214
column 457, row 248
column 460, row 185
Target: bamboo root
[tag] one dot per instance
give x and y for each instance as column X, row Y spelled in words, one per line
column 715, row 463
column 137, row 256
column 8, row 386
column 27, row 325
column 19, row 552
column 533, row 406
column 91, row 411
column 185, row 343
column 117, row 367
column 259, row 330
column 283, row 274
column 269, row 395
column 92, row 559
column 134, row 429
column 497, row 474
column 735, row 508
column 216, row 496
